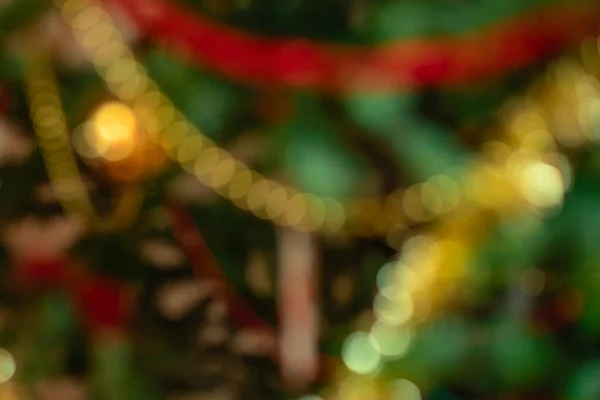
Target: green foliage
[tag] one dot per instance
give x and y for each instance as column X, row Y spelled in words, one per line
column 520, row 358
column 44, row 337
column 208, row 102
column 17, row 14
column 315, row 157
column 395, row 19
column 584, row 384
column 438, row 353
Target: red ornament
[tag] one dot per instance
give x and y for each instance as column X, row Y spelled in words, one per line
column 104, row 304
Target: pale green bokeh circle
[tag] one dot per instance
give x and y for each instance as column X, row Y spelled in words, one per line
column 405, row 390
column 7, row 366
column 392, row 341
column 361, row 354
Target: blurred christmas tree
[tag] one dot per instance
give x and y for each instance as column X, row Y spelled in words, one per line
column 244, row 199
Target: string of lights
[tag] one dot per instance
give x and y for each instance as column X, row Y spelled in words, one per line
column 564, row 109
column 216, row 168
column 61, row 163
column 520, row 171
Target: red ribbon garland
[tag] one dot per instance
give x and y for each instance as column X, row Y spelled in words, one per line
column 206, row 268
column 403, row 64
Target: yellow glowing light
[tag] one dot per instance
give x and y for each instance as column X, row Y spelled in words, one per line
column 392, row 341
column 405, row 390
column 88, row 18
column 297, row 209
column 407, row 279
column 84, row 143
column 542, row 184
column 189, row 149
column 385, row 276
column 97, row 36
column 277, row 203
column 361, row 354
column 594, row 106
column 520, row 159
column 223, row 172
column 526, row 119
column 258, row 195
column 416, row 246
column 175, row 134
column 205, row 162
column 315, row 216
column 120, row 71
column 363, row 392
column 393, row 311
column 488, row 185
column 134, row 86
column 165, row 112
column 240, row 184
column 7, row 366
column 114, row 131
column 105, row 54
column 357, row 388
column 589, row 117
column 539, row 139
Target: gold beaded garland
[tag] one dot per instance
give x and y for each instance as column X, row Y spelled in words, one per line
column 61, row 163
column 217, row 169
column 516, row 172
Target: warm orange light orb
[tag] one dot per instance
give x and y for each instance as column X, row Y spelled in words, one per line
column 113, row 131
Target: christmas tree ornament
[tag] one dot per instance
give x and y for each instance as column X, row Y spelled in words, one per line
column 112, row 134
column 113, row 131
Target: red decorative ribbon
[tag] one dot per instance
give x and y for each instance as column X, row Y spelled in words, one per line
column 205, row 267
column 403, row 64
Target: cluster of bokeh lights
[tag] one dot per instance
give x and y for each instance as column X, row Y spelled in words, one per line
column 522, row 170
